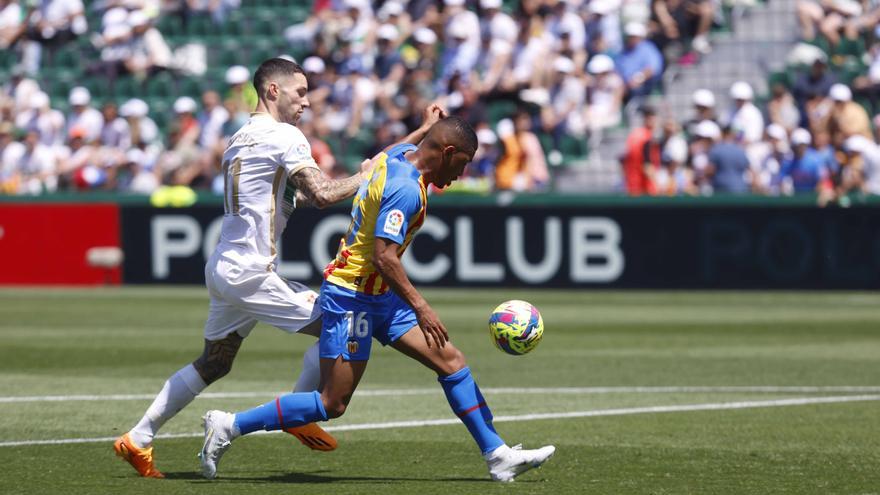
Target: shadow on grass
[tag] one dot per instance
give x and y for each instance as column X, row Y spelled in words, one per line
column 309, row 478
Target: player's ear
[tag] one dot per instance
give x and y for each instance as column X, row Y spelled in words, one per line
column 447, row 153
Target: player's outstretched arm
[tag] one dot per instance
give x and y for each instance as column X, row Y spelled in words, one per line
column 388, row 265
column 313, row 188
column 432, row 114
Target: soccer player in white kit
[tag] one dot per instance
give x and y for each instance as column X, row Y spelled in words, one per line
column 268, row 170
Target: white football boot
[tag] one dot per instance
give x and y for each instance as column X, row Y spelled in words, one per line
column 506, row 463
column 219, row 434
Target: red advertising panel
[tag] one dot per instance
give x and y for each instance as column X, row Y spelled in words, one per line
column 70, row 244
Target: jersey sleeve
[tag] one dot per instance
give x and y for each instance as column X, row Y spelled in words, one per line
column 297, row 152
column 401, row 200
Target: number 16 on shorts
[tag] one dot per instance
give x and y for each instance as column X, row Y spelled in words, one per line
column 358, row 329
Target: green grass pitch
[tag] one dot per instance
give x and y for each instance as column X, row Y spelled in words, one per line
column 675, row 377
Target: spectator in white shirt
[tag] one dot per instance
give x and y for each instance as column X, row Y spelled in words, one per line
column 564, row 20
column 495, row 24
column 564, row 114
column 116, row 133
column 459, row 55
column 11, row 26
column 45, row 121
column 529, row 56
column 605, row 94
column 37, row 167
column 461, row 20
column 19, row 89
column 745, row 120
column 148, row 51
column 602, row 26
column 53, row 23
column 116, row 49
column 869, row 152
column 217, row 9
column 211, row 120
column 11, row 152
column 143, row 130
column 83, row 116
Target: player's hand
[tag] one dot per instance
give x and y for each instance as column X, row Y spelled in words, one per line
column 368, row 165
column 432, row 327
column 433, row 114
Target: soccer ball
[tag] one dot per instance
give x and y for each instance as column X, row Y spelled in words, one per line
column 516, row 327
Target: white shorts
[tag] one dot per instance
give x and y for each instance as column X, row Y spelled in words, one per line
column 240, row 297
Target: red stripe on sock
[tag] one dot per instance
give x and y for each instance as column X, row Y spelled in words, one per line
column 472, row 409
column 278, row 408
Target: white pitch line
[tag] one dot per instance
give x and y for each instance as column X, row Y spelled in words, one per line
column 717, row 406
column 502, row 390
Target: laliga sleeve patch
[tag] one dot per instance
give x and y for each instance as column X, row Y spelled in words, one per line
column 393, row 222
column 301, row 152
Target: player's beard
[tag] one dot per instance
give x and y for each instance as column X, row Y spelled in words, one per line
column 290, row 118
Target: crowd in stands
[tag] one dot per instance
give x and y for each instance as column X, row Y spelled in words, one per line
column 814, row 132
column 561, row 71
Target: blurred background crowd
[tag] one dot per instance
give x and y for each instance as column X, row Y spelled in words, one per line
column 130, row 95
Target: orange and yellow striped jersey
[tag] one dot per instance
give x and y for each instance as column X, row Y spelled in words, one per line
column 391, row 204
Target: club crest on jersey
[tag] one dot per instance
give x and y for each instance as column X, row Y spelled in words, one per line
column 353, row 346
column 393, row 222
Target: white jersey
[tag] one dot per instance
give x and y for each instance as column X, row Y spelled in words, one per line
column 257, row 200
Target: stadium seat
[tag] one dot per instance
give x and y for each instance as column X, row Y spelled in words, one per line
column 201, row 26
column 170, row 26
column 190, row 86
column 498, row 110
column 265, row 24
column 262, row 49
column 161, row 85
column 779, row 77
column 126, row 87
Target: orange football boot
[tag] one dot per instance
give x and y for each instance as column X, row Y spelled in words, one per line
column 140, row 459
column 313, row 437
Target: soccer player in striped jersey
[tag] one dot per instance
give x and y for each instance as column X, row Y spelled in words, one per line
column 366, row 294
column 268, row 170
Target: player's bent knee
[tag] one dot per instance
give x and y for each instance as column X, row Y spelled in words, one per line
column 453, row 361
column 211, row 371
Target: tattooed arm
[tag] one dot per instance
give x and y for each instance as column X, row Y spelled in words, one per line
column 314, row 189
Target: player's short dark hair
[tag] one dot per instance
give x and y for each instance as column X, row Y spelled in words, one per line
column 460, row 132
column 275, row 67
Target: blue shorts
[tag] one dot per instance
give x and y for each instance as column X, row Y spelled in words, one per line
column 351, row 318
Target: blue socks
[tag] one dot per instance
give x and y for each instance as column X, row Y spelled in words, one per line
column 284, row 412
column 298, row 409
column 469, row 405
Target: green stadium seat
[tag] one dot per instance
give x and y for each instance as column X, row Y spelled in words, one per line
column 262, row 49
column 170, row 26
column 228, row 52
column 779, row 77
column 498, row 110
column 265, row 25
column 201, row 26
column 7, row 58
column 234, row 26
column 191, row 86
column 160, row 85
column 126, row 87
column 573, row 147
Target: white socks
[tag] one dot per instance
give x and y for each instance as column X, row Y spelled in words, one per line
column 179, row 390
column 310, row 377
column 186, row 384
